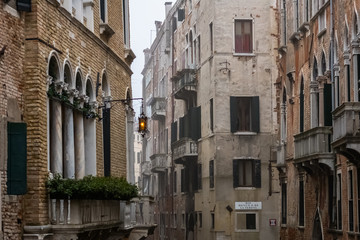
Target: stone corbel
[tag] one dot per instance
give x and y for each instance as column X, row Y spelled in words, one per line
column 49, row 80
column 355, row 45
column 74, row 93
column 59, row 86
column 314, row 86
column 93, row 105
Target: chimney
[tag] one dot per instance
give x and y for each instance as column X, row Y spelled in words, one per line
column 167, row 8
column 147, row 55
column 158, row 26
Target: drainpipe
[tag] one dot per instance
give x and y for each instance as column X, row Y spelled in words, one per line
column 332, row 55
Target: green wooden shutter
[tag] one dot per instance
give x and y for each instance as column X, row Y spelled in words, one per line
column 233, row 114
column 181, row 127
column 327, row 105
column 255, row 114
column 236, row 173
column 17, row 152
column 195, row 125
column 257, row 175
column 23, row 5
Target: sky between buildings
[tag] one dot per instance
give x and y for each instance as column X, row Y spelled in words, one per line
column 143, row 14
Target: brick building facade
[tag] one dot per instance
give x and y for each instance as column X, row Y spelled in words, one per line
column 318, row 114
column 58, row 57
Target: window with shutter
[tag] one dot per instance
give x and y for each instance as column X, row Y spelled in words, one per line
column 195, row 123
column 17, row 152
column 246, row 173
column 245, row 114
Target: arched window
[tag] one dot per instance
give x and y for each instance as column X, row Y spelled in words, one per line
column 315, row 69
column 323, row 63
column 355, row 26
column 302, row 104
column 346, row 37
column 55, row 118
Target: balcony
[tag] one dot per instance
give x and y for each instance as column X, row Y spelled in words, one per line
column 185, row 82
column 158, row 108
column 146, row 168
column 346, row 135
column 183, row 150
column 313, row 148
column 96, row 219
column 158, row 162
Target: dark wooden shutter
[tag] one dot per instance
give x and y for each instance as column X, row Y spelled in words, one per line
column 187, row 125
column 181, row 127
column 233, row 114
column 255, row 114
column 181, row 14
column 257, row 175
column 17, row 152
column 106, row 141
column 211, row 173
column 327, row 105
column 236, row 173
column 199, row 176
column 173, row 132
column 195, row 118
column 23, row 5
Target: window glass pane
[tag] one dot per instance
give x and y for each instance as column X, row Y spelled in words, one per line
column 248, row 173
column 244, row 113
column 243, row 36
column 251, row 221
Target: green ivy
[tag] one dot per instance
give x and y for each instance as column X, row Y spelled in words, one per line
column 90, row 187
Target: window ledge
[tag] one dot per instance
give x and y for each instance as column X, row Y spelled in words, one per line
column 105, row 29
column 301, row 227
column 322, row 32
column 244, row 54
column 283, row 225
column 336, row 231
column 244, row 188
column 245, row 133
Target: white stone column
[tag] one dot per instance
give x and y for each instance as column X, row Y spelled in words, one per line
column 130, row 146
column 69, row 153
column 79, row 145
column 321, row 105
column 56, row 148
column 314, row 104
column 90, row 146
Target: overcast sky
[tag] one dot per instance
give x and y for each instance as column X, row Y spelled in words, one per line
column 143, row 14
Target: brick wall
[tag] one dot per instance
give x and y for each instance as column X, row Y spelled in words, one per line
column 11, row 73
column 30, row 38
